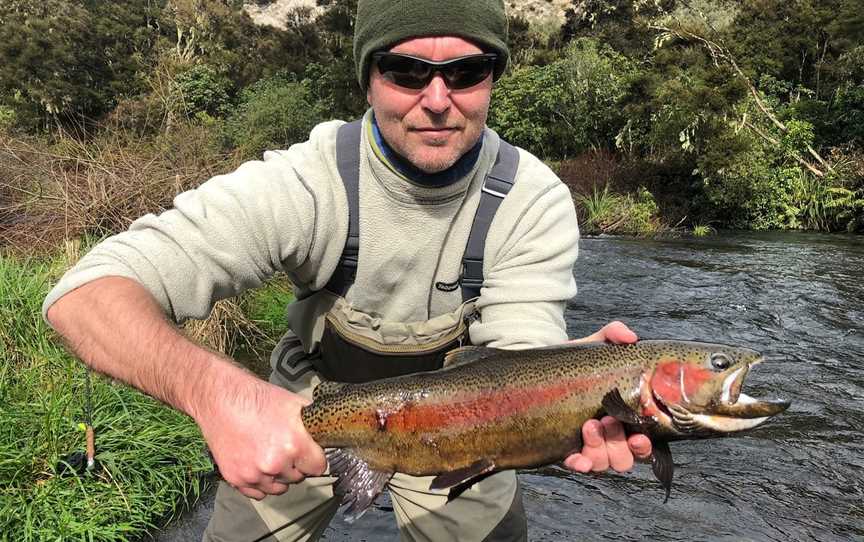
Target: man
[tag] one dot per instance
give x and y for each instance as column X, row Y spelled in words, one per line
column 422, row 163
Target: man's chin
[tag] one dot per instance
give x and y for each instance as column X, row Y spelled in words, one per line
column 433, row 158
column 434, row 164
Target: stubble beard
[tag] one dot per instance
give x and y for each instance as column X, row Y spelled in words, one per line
column 429, row 158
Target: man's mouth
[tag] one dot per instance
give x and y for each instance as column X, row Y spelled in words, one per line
column 435, row 131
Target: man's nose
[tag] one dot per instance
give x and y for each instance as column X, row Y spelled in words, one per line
column 436, row 95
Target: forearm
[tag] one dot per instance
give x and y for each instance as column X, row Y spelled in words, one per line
column 116, row 327
column 253, row 429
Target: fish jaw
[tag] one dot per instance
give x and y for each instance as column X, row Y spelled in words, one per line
column 746, row 413
column 747, row 407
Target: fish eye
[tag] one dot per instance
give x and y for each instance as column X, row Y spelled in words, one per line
column 720, row 361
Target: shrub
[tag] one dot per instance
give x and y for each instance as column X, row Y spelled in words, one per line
column 273, row 114
column 565, row 107
column 334, row 87
column 597, row 80
column 203, row 90
column 599, row 210
column 748, row 191
column 7, row 118
column 527, row 107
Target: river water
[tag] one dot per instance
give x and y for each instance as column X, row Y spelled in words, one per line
column 798, row 298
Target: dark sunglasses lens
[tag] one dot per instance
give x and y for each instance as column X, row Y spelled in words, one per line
column 405, row 72
column 467, row 72
column 416, row 74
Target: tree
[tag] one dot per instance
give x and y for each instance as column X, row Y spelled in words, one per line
column 65, row 59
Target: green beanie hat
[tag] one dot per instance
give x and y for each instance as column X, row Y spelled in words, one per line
column 383, row 23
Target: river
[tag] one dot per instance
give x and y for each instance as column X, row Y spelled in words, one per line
column 798, row 298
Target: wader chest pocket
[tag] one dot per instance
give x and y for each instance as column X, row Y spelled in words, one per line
column 348, row 356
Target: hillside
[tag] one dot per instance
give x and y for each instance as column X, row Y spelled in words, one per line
column 275, row 13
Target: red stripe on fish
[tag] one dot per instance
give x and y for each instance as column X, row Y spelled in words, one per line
column 480, row 408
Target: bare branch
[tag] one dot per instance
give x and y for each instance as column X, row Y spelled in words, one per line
column 719, row 52
column 775, row 142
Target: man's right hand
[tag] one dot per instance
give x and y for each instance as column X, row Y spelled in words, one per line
column 256, row 435
column 253, row 428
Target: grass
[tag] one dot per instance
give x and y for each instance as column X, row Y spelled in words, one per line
column 703, row 230
column 153, row 457
column 603, row 211
column 266, row 306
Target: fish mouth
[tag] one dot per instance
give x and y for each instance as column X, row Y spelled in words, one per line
column 741, row 407
column 734, row 411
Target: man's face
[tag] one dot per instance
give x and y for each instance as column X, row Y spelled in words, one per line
column 434, row 126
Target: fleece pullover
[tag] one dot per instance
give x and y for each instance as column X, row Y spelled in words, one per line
column 289, row 213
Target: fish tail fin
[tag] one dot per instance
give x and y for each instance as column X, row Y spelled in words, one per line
column 358, row 483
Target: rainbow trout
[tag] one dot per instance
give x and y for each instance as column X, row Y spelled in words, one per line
column 490, row 410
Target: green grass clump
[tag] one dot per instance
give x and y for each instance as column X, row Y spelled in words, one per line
column 152, row 456
column 703, row 230
column 265, row 306
column 628, row 214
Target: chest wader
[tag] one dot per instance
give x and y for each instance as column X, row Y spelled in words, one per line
column 350, row 345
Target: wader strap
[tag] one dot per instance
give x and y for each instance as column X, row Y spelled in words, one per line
column 496, row 186
column 348, row 163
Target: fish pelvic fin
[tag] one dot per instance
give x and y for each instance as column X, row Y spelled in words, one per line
column 460, row 480
column 467, row 354
column 358, row 483
column 457, row 490
column 662, row 465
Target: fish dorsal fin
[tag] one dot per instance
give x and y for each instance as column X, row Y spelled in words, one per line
column 467, row 354
column 464, row 475
column 662, row 465
column 327, row 387
column 358, row 483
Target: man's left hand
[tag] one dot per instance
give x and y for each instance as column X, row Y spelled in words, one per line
column 604, row 443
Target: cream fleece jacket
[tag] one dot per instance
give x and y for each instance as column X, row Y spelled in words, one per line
column 289, row 213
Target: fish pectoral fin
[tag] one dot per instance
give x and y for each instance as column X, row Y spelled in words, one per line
column 467, row 354
column 463, row 475
column 615, row 406
column 662, row 465
column 358, row 483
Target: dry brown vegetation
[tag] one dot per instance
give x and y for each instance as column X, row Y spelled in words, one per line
column 53, row 194
column 75, row 187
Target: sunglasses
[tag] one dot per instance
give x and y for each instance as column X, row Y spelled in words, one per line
column 415, row 73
